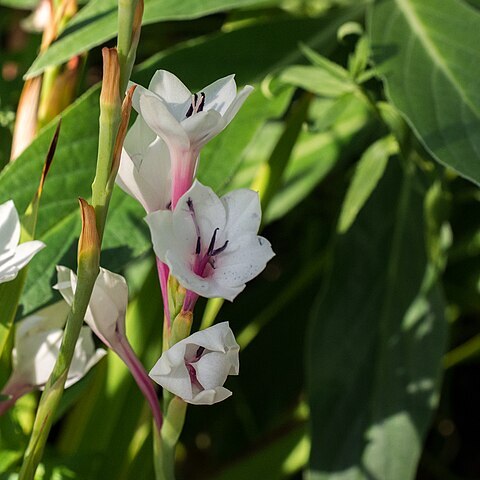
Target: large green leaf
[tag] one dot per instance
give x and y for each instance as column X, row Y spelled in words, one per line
column 376, row 342
column 427, row 52
column 98, row 22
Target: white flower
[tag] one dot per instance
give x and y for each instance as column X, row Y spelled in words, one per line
column 144, row 171
column 105, row 314
column 106, row 317
column 37, row 344
column 211, row 244
column 186, row 122
column 13, row 257
column 196, row 368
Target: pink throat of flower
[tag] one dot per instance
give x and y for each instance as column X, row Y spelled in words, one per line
column 207, row 259
column 197, row 386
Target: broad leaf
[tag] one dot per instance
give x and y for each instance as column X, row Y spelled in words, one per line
column 376, row 342
column 426, row 51
column 98, row 22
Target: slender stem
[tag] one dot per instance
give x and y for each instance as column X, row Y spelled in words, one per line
column 54, row 389
column 109, row 123
column 126, row 353
column 163, row 272
column 126, row 15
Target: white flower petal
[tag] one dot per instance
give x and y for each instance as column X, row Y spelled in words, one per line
column 138, row 140
column 202, row 127
column 37, row 343
column 220, row 94
column 108, row 305
column 172, row 90
column 148, row 181
column 212, row 370
column 209, row 397
column 183, row 272
column 171, row 373
column 244, row 212
column 9, row 227
column 66, row 283
column 235, row 106
column 161, row 231
column 246, row 258
column 23, row 254
column 84, row 357
column 158, row 117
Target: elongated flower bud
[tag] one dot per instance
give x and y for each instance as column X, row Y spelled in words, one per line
column 110, row 94
column 89, row 242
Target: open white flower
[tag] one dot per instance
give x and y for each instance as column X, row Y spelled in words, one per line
column 210, row 243
column 196, row 368
column 187, row 122
column 13, row 257
column 37, row 344
column 106, row 317
column 105, row 314
column 144, row 171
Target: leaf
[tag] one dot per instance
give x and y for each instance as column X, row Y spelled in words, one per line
column 285, row 455
column 97, row 23
column 22, row 4
column 376, row 342
column 426, row 52
column 275, row 43
column 346, row 128
column 368, row 172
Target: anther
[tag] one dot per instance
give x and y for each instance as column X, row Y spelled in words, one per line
column 196, row 105
column 220, row 249
column 212, row 242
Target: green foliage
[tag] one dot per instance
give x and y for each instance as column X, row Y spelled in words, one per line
column 374, row 357
column 356, row 113
column 424, row 50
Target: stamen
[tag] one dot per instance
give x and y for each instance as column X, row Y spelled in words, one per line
column 198, row 247
column 196, row 105
column 201, row 103
column 212, row 242
column 220, row 249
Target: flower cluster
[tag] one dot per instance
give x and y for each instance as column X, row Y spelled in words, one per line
column 209, row 244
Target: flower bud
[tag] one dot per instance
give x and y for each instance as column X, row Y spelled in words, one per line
column 110, row 94
column 89, row 242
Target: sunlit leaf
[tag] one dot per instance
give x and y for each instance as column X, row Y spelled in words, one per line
column 426, row 52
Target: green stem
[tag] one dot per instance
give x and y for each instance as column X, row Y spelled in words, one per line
column 109, row 122
column 126, row 15
column 164, row 445
column 56, row 383
column 467, row 350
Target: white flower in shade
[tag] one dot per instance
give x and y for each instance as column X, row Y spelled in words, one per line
column 105, row 315
column 187, row 122
column 196, row 368
column 144, row 171
column 210, row 243
column 37, row 344
column 13, row 257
